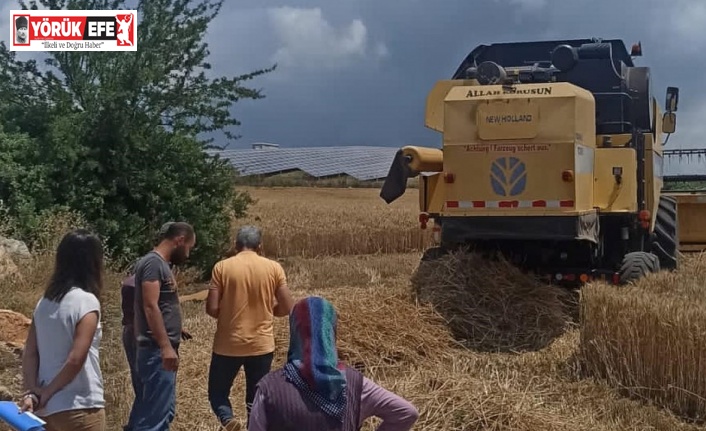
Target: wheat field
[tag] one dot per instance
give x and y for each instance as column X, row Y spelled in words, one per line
column 312, row 222
column 473, row 346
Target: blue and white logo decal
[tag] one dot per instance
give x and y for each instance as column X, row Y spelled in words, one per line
column 508, row 176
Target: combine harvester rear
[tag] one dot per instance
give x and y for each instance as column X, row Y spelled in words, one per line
column 552, row 156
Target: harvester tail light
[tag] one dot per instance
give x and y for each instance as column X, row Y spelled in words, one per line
column 567, row 176
column 645, row 218
column 423, row 220
column 449, row 178
column 572, row 277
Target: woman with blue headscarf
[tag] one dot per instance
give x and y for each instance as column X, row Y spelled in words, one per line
column 315, row 391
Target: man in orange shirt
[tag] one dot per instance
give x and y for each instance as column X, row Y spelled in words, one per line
column 247, row 291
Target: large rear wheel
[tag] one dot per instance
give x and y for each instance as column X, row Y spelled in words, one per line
column 665, row 243
column 637, row 265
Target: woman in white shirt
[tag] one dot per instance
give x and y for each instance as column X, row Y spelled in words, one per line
column 60, row 365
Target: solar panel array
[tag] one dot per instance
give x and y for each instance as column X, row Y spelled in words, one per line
column 364, row 163
column 361, row 163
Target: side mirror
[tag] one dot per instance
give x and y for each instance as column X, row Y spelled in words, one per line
column 669, row 122
column 672, row 99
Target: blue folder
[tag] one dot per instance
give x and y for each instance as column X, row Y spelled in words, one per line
column 10, row 414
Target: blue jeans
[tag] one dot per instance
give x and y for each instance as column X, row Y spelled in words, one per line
column 155, row 405
column 130, row 347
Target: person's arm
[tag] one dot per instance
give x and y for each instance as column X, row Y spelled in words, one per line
column 153, row 315
column 215, row 291
column 150, row 302
column 285, row 302
column 30, row 369
column 258, row 418
column 83, row 337
column 283, row 295
column 397, row 414
column 30, row 360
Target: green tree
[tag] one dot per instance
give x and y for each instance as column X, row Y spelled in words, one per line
column 23, row 189
column 119, row 136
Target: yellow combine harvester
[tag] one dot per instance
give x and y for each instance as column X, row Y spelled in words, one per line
column 552, row 156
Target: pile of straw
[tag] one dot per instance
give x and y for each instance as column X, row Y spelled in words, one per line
column 492, row 305
column 649, row 340
column 409, row 349
column 381, row 330
column 453, row 399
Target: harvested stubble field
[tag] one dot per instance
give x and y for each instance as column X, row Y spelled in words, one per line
column 502, row 353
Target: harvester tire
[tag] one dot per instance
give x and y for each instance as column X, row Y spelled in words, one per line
column 637, row 265
column 665, row 243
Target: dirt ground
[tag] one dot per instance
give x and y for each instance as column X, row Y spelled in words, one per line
column 13, row 328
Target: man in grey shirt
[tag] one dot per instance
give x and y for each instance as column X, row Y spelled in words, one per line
column 158, row 327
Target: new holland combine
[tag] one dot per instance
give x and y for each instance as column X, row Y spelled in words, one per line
column 553, row 157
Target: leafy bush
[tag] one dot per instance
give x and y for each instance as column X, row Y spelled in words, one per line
column 116, row 136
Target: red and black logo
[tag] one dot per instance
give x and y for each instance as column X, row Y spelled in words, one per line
column 119, row 28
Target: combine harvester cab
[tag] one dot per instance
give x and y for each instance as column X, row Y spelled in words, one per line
column 552, row 157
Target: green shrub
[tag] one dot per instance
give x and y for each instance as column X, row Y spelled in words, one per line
column 117, row 137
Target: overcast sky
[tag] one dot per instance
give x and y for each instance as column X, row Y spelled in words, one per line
column 357, row 72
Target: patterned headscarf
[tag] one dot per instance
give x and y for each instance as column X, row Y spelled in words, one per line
column 312, row 361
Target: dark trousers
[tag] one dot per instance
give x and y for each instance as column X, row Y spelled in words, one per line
column 221, row 375
column 130, row 347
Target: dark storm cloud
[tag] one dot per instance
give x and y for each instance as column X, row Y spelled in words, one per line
column 379, row 99
column 357, row 72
